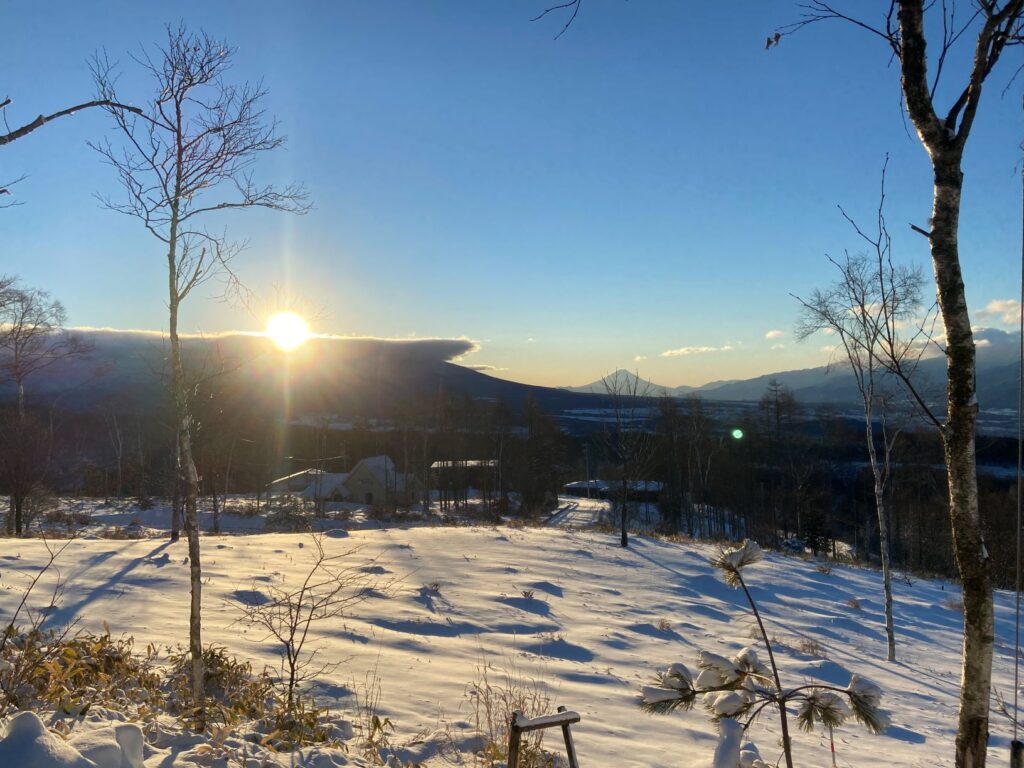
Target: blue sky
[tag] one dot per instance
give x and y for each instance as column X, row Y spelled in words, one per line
column 653, row 180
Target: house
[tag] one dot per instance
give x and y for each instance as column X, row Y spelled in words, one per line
column 376, row 480
column 327, row 486
column 295, row 482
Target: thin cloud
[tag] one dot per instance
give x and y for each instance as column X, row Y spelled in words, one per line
column 775, row 334
column 778, row 346
column 639, row 358
column 684, row 351
column 1004, row 310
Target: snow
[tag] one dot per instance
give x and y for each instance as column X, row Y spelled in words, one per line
column 28, row 744
column 116, row 746
column 568, row 607
column 727, row 753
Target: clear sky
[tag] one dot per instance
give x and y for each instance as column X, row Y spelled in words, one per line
column 654, row 180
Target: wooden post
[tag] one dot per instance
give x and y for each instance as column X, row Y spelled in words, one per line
column 1016, row 754
column 514, row 735
column 520, row 725
column 570, row 748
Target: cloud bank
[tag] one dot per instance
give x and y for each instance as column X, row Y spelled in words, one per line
column 1004, row 310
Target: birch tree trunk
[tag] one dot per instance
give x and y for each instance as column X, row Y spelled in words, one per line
column 958, row 440
column 944, row 142
column 188, row 477
column 883, row 536
column 187, row 160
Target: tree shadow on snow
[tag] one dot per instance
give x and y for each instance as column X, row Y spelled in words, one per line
column 119, row 580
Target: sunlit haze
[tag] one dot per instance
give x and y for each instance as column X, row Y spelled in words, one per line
column 287, row 330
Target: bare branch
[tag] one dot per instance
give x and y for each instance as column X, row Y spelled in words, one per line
column 574, row 4
column 818, row 11
column 42, row 120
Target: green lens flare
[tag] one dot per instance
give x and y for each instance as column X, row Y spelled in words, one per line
column 737, row 434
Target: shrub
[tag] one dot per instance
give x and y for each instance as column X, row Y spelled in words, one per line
column 286, row 513
column 286, row 612
column 69, row 674
column 811, row 647
column 66, row 518
column 39, row 503
column 233, row 690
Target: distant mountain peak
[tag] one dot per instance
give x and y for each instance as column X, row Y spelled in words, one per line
column 626, row 378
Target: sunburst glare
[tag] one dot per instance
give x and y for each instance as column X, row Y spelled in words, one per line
column 287, row 330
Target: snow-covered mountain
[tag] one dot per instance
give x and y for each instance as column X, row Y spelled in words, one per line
column 624, row 379
column 997, row 379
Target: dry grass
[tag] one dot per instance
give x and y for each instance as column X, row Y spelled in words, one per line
column 953, row 604
column 811, row 647
column 497, row 693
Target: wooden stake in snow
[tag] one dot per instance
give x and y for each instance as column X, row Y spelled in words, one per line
column 521, row 724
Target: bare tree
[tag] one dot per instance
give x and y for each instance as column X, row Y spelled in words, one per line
column 187, row 157
column 32, row 335
column 32, row 338
column 626, row 436
column 114, row 432
column 992, row 25
column 289, row 612
column 866, row 308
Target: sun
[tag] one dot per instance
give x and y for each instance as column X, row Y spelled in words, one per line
column 287, row 330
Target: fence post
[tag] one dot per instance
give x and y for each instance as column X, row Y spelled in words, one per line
column 513, row 741
column 570, row 748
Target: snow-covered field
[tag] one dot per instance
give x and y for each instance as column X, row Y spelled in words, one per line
column 565, row 606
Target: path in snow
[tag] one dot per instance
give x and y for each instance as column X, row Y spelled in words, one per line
column 575, row 512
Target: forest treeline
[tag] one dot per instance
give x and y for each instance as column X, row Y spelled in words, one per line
column 781, row 471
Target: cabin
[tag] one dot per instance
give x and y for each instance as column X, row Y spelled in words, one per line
column 327, row 486
column 375, row 480
column 296, row 482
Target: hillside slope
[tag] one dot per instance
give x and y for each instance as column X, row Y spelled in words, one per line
column 590, row 620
